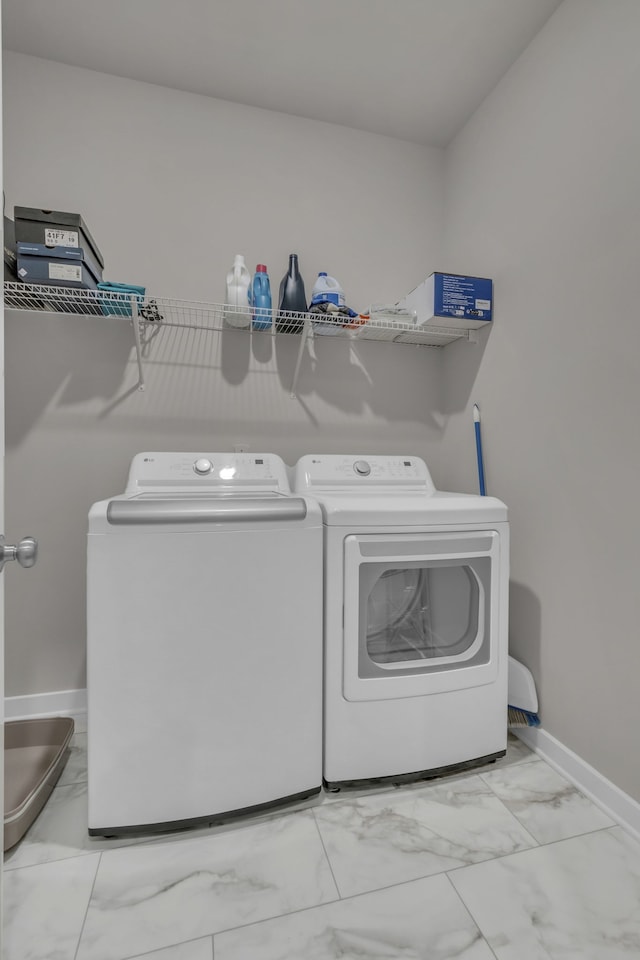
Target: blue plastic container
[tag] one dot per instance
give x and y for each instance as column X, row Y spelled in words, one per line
column 119, row 303
column 260, row 299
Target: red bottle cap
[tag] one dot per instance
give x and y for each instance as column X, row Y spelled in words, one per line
column 261, row 268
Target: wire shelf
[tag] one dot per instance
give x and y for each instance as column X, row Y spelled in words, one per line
column 218, row 316
column 148, row 315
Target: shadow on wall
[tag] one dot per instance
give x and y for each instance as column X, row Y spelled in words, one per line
column 354, row 377
column 525, row 626
column 56, row 361
column 75, row 359
column 392, row 381
column 463, row 362
column 331, row 369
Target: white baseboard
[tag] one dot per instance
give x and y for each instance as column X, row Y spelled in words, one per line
column 611, row 799
column 67, row 703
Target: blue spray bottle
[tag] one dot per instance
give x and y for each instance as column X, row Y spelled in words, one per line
column 261, row 299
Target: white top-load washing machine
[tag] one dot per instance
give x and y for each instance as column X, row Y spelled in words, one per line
column 415, row 619
column 204, row 651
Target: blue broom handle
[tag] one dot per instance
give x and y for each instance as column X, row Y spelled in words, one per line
column 480, row 459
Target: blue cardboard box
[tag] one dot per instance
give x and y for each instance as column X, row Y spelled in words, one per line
column 58, row 253
column 452, row 299
column 54, row 266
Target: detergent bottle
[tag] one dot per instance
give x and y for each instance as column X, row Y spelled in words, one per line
column 292, row 298
column 326, row 289
column 236, row 311
column 261, row 299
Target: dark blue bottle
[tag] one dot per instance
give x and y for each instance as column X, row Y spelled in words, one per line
column 292, row 299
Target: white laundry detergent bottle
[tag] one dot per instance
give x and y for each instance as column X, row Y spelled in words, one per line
column 237, row 312
column 327, row 290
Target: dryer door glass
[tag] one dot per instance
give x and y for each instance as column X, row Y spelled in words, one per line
column 421, row 613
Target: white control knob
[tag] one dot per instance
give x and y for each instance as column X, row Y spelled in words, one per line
column 362, row 468
column 203, row 466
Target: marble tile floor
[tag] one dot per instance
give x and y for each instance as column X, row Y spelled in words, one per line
column 506, row 862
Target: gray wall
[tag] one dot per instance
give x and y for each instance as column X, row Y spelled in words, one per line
column 172, row 185
column 543, row 194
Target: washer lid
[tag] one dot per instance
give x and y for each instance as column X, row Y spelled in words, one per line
column 137, row 511
column 179, row 513
column 360, row 509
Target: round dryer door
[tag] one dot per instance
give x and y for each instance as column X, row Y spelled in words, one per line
column 421, row 613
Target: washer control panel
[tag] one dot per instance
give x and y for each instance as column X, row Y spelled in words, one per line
column 208, row 472
column 338, row 471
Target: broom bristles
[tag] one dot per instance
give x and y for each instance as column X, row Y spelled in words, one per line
column 522, row 718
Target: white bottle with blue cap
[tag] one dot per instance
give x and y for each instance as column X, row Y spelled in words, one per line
column 327, row 290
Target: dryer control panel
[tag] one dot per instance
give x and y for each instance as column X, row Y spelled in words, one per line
column 339, row 471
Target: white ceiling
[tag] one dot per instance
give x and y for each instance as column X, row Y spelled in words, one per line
column 414, row 69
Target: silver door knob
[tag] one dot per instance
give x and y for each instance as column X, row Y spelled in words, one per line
column 26, row 552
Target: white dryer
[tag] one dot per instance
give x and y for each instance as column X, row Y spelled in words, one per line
column 415, row 619
column 204, row 649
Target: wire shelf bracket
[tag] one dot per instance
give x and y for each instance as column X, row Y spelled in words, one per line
column 135, row 323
